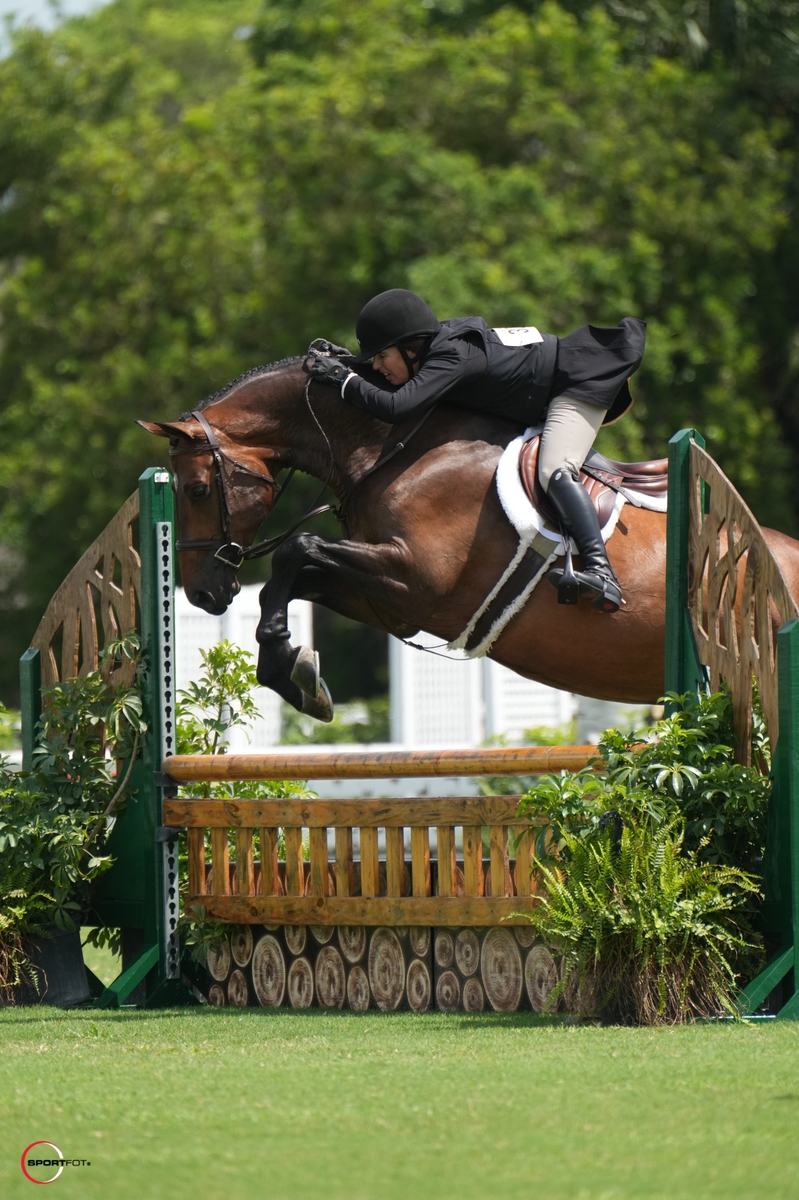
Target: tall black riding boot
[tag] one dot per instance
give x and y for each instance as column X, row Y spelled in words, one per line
column 596, row 579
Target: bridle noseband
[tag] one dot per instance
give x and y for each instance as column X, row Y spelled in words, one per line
column 226, row 550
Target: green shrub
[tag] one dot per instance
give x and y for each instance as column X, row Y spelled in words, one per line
column 650, row 866
column 220, row 700
column 55, row 818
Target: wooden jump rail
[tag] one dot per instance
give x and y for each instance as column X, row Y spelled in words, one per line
column 439, row 892
column 392, row 764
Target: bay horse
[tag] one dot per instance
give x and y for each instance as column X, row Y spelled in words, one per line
column 426, row 538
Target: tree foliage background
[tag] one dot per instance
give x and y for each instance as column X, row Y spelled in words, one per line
column 189, row 188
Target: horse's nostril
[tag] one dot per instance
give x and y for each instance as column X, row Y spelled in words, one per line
column 202, row 599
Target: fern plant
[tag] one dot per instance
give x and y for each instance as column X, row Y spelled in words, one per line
column 652, row 934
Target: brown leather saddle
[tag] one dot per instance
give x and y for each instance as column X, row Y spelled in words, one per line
column 601, row 477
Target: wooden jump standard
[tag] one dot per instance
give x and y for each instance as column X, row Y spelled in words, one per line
column 396, row 892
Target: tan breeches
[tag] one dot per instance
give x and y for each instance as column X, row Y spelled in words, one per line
column 569, row 431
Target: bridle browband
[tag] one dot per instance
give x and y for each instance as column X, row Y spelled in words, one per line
column 225, row 549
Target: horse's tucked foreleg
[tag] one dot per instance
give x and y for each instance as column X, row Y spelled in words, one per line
column 313, row 568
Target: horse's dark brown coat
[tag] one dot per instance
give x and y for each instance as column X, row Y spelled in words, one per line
column 426, row 539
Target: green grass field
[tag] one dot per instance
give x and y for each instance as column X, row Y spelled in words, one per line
column 281, row 1105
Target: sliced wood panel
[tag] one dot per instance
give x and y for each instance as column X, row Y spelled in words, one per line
column 395, row 862
column 270, row 879
column 524, row 862
column 196, row 860
column 499, row 861
column 245, row 873
column 344, row 872
column 295, row 868
column 445, row 842
column 420, row 860
column 370, row 879
column 220, row 861
column 319, row 883
column 472, row 861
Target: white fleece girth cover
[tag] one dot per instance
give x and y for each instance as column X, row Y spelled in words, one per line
column 532, row 531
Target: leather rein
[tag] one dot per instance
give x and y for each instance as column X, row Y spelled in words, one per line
column 225, row 549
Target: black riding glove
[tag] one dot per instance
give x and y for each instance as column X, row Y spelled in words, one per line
column 325, row 347
column 329, row 370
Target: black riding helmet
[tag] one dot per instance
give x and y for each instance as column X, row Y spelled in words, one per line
column 392, row 318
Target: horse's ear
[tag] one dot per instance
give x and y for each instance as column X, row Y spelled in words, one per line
column 167, row 429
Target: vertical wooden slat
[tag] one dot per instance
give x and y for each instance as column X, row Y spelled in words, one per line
column 395, row 861
column 245, row 875
column 295, row 869
column 220, row 862
column 500, row 866
column 420, row 860
column 473, row 860
column 370, row 885
column 524, row 881
column 343, row 862
column 196, row 853
column 318, row 862
column 269, row 871
column 445, row 845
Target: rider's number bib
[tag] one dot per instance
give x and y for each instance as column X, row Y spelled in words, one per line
column 519, row 335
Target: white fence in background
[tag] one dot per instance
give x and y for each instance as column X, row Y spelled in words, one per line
column 442, row 699
column 437, row 699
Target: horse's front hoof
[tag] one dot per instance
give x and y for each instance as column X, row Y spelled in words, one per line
column 321, row 706
column 305, row 672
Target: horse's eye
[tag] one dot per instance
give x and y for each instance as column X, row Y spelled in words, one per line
column 198, row 491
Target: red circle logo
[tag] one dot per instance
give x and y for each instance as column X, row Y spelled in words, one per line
column 41, row 1167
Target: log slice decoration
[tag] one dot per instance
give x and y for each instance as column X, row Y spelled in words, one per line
column 420, row 940
column 419, row 988
column 358, row 994
column 473, row 996
column 540, row 976
column 386, row 969
column 501, row 970
column 525, row 936
column 322, row 933
column 467, row 952
column 216, row 996
column 217, row 958
column 300, row 984
column 269, row 972
column 445, row 948
column 296, row 936
column 331, row 978
column 238, row 993
column 241, row 945
column 448, row 992
column 352, row 939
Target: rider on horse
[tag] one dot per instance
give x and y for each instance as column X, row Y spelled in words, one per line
column 572, row 385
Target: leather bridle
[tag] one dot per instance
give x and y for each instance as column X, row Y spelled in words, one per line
column 225, row 549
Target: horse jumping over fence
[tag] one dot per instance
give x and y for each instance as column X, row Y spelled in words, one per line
column 426, row 538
